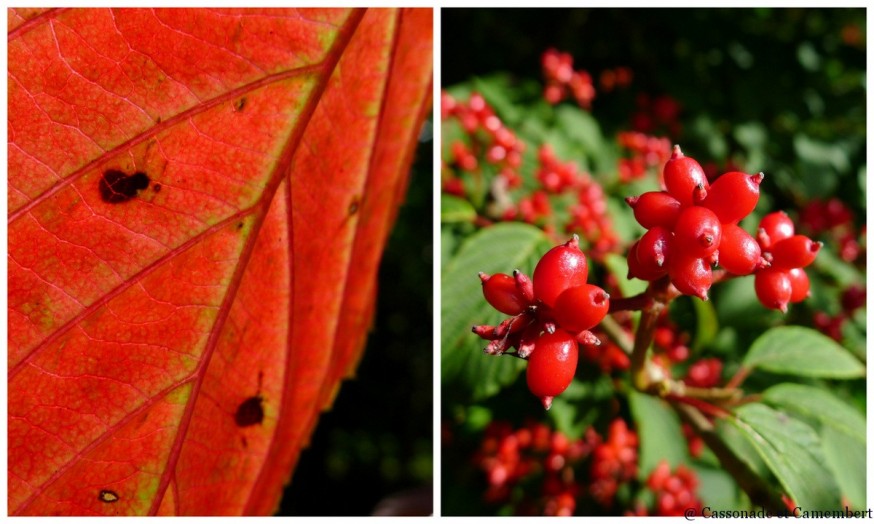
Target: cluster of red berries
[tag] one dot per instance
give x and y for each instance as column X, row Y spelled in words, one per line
column 490, row 140
column 705, row 373
column 692, row 225
column 533, row 452
column 563, row 82
column 834, row 218
column 616, row 78
column 657, row 113
column 550, row 313
column 614, row 462
column 645, row 152
column 852, row 299
column 675, row 493
column 669, row 340
column 785, row 280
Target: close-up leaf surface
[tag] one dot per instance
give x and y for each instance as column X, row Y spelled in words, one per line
column 198, row 200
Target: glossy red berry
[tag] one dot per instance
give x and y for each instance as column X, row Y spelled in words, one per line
column 690, row 275
column 733, row 196
column 637, row 270
column 581, row 308
column 800, row 284
column 775, row 227
column 774, row 288
column 654, row 248
column 739, row 253
column 682, row 175
column 562, row 267
column 552, row 365
column 655, row 208
column 697, row 233
column 501, row 292
column 795, row 251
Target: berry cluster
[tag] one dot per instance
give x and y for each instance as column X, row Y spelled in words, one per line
column 613, row 463
column 616, row 78
column 852, row 299
column 645, row 152
column 550, row 313
column 657, row 113
column 833, row 218
column 785, row 280
column 490, row 140
column 530, row 454
column 705, row 373
column 674, row 493
column 692, row 225
column 562, row 81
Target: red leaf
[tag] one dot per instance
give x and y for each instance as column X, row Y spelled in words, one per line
column 198, row 201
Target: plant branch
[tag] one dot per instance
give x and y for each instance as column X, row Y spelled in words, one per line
column 617, row 334
column 634, row 303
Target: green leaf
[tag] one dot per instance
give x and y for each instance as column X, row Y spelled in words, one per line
column 841, row 428
column 718, row 489
column 659, row 433
column 618, row 265
column 845, row 456
column 797, row 350
column 454, row 209
column 466, row 372
column 707, row 325
column 793, row 452
column 818, row 406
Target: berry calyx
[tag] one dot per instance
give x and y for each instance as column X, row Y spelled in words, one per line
column 643, row 272
column 733, row 196
column 654, row 249
column 562, row 267
column 795, row 251
column 580, row 308
column 691, row 275
column 501, row 292
column 698, row 232
column 552, row 365
column 682, row 175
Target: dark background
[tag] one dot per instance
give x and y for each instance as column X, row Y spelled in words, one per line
column 377, row 439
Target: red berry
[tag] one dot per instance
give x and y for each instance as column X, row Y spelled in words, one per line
column 774, row 289
column 800, row 284
column 654, row 248
column 501, row 292
column 552, row 365
column 580, row 308
column 562, row 267
column 733, row 196
column 682, row 175
column 775, row 227
column 655, row 208
column 739, row 253
column 795, row 251
column 697, row 233
column 637, row 270
column 690, row 275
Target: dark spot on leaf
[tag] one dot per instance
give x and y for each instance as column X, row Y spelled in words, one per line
column 108, row 496
column 239, row 225
column 241, row 103
column 353, row 206
column 250, row 412
column 158, row 120
column 156, row 188
column 117, row 187
column 245, row 442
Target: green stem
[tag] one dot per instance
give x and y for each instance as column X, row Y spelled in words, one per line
column 617, row 334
